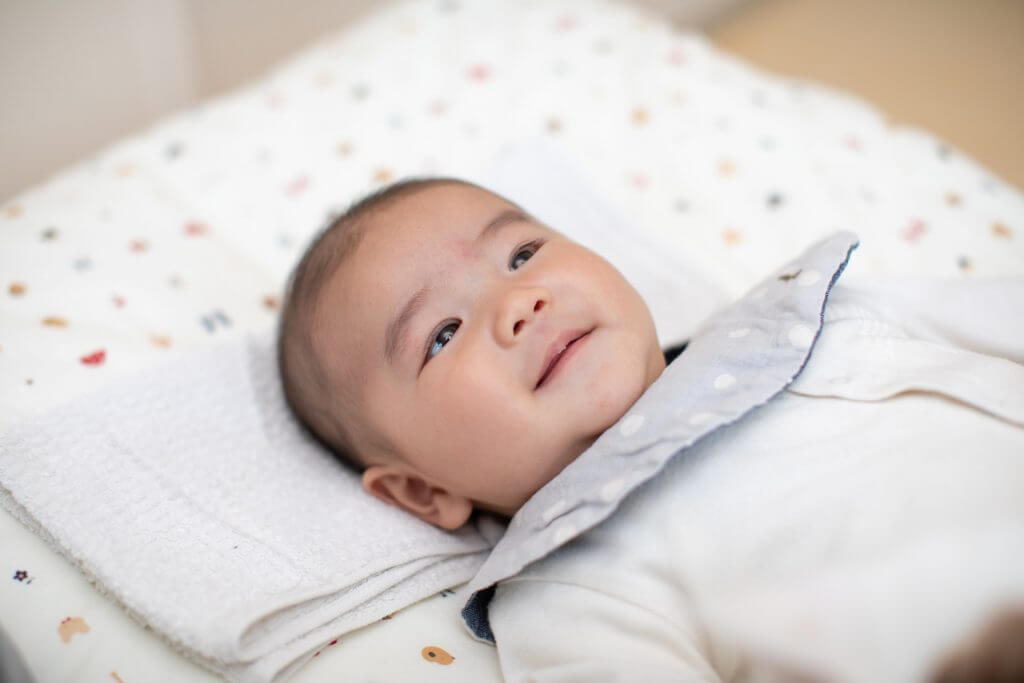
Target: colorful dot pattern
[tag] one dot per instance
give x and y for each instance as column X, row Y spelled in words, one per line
column 186, row 234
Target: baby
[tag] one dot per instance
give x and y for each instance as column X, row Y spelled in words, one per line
column 858, row 526
column 457, row 351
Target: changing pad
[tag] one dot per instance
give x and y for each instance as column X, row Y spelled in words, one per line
column 192, row 496
column 180, row 238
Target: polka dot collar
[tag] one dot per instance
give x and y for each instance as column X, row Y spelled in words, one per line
column 741, row 358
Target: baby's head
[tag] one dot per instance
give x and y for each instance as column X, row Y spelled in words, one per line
column 457, row 351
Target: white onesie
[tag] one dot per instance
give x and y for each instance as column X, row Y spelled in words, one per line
column 856, row 527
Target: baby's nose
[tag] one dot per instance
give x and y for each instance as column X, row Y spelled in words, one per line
column 519, row 308
column 518, row 325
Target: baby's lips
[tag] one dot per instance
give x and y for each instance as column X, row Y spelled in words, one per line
column 555, row 349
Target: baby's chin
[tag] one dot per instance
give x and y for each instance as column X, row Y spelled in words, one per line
column 601, row 416
column 595, row 413
column 619, row 395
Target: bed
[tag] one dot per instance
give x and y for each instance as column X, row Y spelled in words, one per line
column 184, row 235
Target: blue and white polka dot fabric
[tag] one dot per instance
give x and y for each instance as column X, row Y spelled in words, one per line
column 739, row 359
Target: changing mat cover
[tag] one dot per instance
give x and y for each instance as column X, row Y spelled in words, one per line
column 739, row 360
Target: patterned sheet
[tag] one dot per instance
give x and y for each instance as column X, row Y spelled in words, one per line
column 184, row 234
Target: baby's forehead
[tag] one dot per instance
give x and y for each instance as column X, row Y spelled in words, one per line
column 448, row 201
column 416, row 235
column 449, row 214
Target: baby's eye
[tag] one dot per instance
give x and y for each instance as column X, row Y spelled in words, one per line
column 524, row 253
column 441, row 337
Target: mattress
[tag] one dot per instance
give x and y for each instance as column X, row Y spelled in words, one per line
column 183, row 235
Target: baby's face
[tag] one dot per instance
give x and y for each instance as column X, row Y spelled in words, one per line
column 487, row 350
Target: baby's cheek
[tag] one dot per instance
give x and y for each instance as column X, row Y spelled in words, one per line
column 471, row 401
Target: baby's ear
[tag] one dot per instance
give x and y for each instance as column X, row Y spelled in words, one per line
column 398, row 485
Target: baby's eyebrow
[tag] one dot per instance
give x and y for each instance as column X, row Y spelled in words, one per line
column 395, row 334
column 501, row 220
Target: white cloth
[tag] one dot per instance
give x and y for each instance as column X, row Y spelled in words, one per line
column 855, row 528
column 189, row 494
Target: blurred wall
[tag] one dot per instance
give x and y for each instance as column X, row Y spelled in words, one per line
column 952, row 67
column 76, row 75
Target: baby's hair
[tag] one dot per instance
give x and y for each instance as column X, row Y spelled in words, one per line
column 311, row 394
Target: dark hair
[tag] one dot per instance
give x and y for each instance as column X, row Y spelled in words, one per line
column 315, row 400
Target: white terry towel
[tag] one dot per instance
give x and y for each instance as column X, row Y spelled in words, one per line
column 191, row 496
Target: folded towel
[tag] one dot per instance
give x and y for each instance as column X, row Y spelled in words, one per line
column 190, row 495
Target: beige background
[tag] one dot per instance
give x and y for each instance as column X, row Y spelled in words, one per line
column 78, row 74
column 953, row 67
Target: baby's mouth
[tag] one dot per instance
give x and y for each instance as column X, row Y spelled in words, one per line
column 558, row 352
